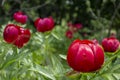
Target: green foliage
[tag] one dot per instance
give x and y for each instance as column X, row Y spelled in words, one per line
column 44, row 56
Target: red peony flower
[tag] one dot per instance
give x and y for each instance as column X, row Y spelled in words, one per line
column 10, row 33
column 78, row 25
column 25, row 34
column 45, row 24
column 22, row 38
column 74, row 27
column 110, row 44
column 69, row 34
column 16, row 35
column 20, row 17
column 85, row 56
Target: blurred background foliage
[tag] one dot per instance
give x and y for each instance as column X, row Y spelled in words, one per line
column 99, row 17
column 44, row 57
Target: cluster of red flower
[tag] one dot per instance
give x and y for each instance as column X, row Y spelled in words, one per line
column 72, row 28
column 18, row 36
column 88, row 56
column 83, row 55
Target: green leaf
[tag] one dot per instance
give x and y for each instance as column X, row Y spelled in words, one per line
column 39, row 69
column 14, row 57
column 57, row 65
column 108, row 77
column 117, row 76
column 62, row 56
column 115, row 67
column 111, row 76
column 56, row 36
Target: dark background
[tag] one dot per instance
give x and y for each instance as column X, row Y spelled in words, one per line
column 100, row 17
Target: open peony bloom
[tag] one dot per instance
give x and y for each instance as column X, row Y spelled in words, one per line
column 110, row 44
column 45, row 24
column 20, row 17
column 85, row 56
column 16, row 35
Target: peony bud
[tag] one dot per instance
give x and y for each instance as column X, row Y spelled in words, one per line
column 45, row 24
column 20, row 17
column 85, row 56
column 110, row 44
column 10, row 33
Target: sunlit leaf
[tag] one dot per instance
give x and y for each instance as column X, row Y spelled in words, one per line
column 43, row 72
